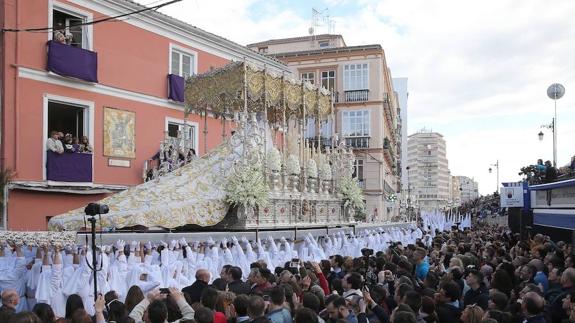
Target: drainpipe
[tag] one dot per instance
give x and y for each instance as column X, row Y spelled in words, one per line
column 5, row 206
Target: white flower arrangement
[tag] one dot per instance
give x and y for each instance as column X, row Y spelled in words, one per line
column 292, row 165
column 311, row 168
column 274, row 160
column 247, row 187
column 40, row 238
column 324, row 171
column 352, row 194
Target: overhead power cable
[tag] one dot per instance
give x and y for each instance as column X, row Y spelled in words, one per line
column 93, row 22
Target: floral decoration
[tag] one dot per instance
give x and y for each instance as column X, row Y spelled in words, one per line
column 246, row 187
column 311, row 168
column 274, row 160
column 40, row 238
column 352, row 195
column 324, row 171
column 292, row 165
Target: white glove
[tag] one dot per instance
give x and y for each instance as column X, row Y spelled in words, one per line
column 120, row 244
column 173, row 244
column 133, row 245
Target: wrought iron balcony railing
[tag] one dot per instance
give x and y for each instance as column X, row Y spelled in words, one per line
column 357, row 142
column 356, row 96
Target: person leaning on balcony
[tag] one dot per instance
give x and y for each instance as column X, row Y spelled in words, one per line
column 54, row 144
column 550, row 172
column 68, row 144
column 61, row 36
column 85, row 145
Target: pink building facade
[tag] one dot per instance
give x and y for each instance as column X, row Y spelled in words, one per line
column 132, row 67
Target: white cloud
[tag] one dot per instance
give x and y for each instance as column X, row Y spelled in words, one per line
column 468, row 62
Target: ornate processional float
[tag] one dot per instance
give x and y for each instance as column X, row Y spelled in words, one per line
column 275, row 171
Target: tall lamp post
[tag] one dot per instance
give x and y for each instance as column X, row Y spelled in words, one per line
column 555, row 92
column 491, row 170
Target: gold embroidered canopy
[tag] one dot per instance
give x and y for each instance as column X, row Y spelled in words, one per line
column 239, row 86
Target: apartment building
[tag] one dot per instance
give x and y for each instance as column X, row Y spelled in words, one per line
column 428, row 176
column 119, row 83
column 455, row 192
column 469, row 188
column 366, row 107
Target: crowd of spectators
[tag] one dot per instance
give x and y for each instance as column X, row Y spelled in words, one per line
column 60, row 143
column 484, row 274
column 546, row 173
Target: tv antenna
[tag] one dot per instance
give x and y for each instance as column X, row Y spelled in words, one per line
column 320, row 19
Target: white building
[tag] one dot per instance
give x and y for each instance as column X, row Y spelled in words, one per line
column 469, row 189
column 455, row 192
column 429, row 178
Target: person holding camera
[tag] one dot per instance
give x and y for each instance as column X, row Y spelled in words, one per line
column 155, row 307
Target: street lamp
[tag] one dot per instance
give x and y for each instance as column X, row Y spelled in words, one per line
column 550, row 126
column 491, row 170
column 555, row 92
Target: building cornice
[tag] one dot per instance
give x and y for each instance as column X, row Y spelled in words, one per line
column 374, row 104
column 296, row 40
column 180, row 31
column 51, row 78
column 44, row 186
column 331, row 52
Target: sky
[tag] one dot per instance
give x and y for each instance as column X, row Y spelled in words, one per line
column 478, row 70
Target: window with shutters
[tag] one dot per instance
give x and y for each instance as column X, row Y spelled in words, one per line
column 328, row 80
column 355, row 77
column 308, row 77
column 355, row 123
column 182, row 62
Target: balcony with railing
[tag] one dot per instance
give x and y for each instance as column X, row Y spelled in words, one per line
column 70, row 61
column 356, row 96
column 388, row 149
column 323, row 142
column 357, row 142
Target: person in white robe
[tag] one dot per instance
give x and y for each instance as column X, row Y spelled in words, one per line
column 34, row 269
column 13, row 273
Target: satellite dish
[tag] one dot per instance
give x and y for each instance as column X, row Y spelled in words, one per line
column 310, row 30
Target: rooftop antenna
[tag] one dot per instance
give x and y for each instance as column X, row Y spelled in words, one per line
column 320, row 19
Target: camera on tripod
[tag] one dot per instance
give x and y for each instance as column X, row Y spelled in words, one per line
column 94, row 209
